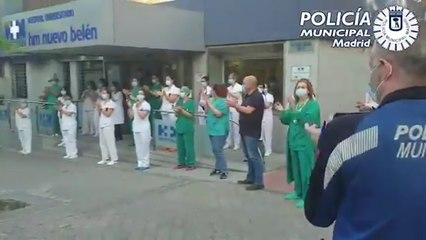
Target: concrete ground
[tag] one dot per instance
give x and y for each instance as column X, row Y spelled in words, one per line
column 76, row 199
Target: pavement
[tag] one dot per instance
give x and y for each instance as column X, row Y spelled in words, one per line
column 77, row 199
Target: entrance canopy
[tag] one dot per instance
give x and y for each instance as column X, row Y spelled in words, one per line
column 106, row 23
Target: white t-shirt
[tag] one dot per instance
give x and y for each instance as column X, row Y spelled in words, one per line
column 69, row 122
column 166, row 105
column 269, row 99
column 236, row 88
column 139, row 124
column 23, row 123
column 105, row 121
column 60, row 101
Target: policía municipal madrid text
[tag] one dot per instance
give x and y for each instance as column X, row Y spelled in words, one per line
column 412, row 141
column 354, row 25
column 82, row 33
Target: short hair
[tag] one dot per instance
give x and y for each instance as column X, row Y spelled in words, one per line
column 221, row 90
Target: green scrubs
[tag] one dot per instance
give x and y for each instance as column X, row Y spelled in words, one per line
column 52, row 99
column 154, row 101
column 185, row 134
column 300, row 148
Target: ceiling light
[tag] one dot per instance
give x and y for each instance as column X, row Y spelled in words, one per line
column 151, row 1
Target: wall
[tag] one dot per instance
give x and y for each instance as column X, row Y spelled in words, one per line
column 343, row 77
column 157, row 27
column 38, row 75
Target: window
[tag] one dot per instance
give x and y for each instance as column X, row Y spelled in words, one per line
column 20, row 80
column 90, row 71
column 267, row 71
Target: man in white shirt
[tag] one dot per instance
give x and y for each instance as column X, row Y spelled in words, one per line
column 69, row 127
column 267, row 121
column 24, row 126
column 170, row 95
column 235, row 92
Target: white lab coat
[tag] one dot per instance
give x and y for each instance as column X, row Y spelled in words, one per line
column 168, row 106
column 142, row 134
column 60, row 101
column 24, row 128
column 69, row 130
column 106, row 134
column 118, row 115
column 88, row 115
column 234, row 137
column 267, row 123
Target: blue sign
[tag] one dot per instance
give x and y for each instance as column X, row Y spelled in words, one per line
column 164, row 133
column 17, row 32
column 4, row 115
column 45, row 119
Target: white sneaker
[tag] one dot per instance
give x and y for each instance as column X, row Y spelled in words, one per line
column 61, row 144
column 66, row 156
column 226, row 146
column 22, row 152
column 236, row 148
column 102, row 162
column 72, row 157
column 26, row 153
column 111, row 163
column 267, row 154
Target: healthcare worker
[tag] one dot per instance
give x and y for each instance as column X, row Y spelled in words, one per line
column 153, row 94
column 205, row 91
column 60, row 104
column 89, row 98
column 69, row 127
column 267, row 121
column 170, row 95
column 106, row 130
column 139, row 113
column 185, row 130
column 118, row 115
column 235, row 92
column 303, row 109
column 24, row 126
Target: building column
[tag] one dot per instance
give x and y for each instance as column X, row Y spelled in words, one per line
column 216, row 68
column 199, row 68
column 75, row 79
column 6, row 87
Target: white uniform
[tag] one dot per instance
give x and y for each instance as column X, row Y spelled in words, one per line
column 234, row 137
column 168, row 106
column 69, row 130
column 61, row 101
column 24, row 127
column 96, row 116
column 106, row 134
column 142, row 134
column 118, row 114
column 88, row 115
column 207, row 91
column 267, row 123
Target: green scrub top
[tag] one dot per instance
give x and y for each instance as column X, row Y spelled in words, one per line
column 298, row 138
column 185, row 124
column 218, row 126
column 155, row 101
column 134, row 93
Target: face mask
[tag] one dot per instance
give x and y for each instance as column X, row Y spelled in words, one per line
column 168, row 82
column 104, row 96
column 372, row 91
column 182, row 95
column 140, row 98
column 301, row 92
column 231, row 81
column 63, row 92
column 265, row 90
column 154, row 81
column 204, row 84
column 134, row 84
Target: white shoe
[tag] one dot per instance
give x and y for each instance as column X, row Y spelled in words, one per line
column 226, row 146
column 111, row 163
column 102, row 162
column 72, row 157
column 66, row 156
column 61, row 144
column 26, row 153
column 267, row 154
column 22, row 152
column 236, row 148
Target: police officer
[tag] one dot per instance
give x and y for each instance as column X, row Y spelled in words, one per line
column 371, row 169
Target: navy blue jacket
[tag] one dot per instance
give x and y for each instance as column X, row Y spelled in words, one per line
column 370, row 175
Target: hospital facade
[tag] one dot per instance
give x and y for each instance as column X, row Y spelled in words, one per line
column 84, row 40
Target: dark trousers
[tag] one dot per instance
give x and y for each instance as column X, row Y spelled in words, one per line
column 118, row 132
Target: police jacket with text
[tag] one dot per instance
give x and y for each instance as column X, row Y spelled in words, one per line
column 370, row 175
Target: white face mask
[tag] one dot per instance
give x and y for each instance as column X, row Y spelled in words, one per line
column 140, row 98
column 301, row 92
column 104, row 96
column 182, row 95
column 231, row 81
column 63, row 92
column 154, row 81
column 134, row 84
column 204, row 84
column 168, row 83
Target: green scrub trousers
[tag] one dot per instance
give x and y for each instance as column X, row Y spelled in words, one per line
column 185, row 148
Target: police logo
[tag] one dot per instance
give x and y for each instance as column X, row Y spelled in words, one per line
column 396, row 28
